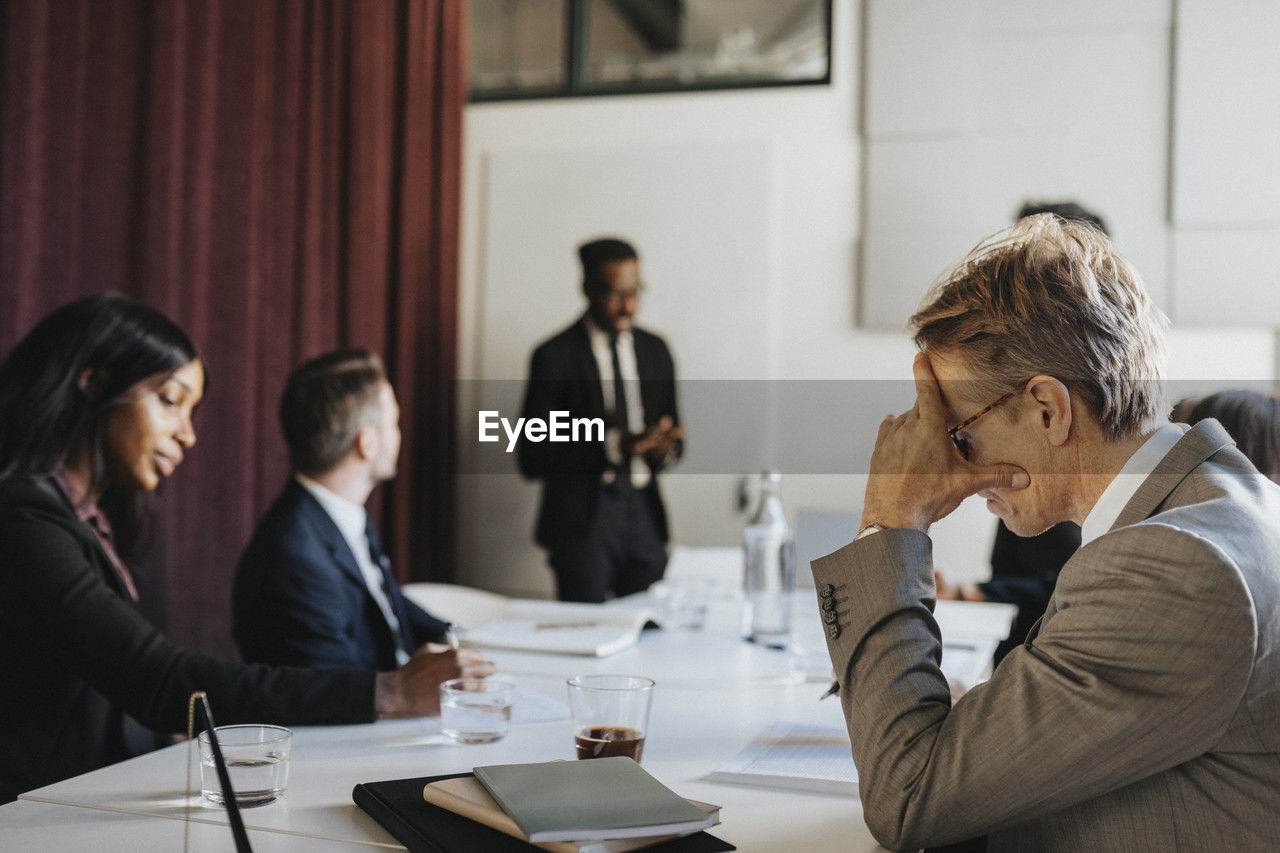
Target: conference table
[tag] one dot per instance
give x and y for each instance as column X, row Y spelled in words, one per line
column 715, row 693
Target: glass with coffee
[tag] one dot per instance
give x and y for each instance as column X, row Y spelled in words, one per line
column 606, row 741
column 610, row 714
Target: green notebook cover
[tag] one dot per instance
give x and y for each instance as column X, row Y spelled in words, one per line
column 591, row 800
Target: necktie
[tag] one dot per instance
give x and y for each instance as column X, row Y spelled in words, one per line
column 619, row 419
column 384, row 574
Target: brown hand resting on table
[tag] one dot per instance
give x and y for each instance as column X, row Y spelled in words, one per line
column 413, row 690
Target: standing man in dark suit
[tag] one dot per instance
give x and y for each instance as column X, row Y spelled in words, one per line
column 313, row 587
column 602, row 520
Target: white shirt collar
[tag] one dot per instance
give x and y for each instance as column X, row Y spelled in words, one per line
column 599, row 337
column 1126, row 483
column 349, row 517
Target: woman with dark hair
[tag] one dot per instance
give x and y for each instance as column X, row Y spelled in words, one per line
column 56, row 384
column 96, row 406
column 1249, row 417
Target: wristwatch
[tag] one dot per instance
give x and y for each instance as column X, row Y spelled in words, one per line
column 868, row 530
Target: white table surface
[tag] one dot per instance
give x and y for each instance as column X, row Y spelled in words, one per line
column 30, row 826
column 714, row 694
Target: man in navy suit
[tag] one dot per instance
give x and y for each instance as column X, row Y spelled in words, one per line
column 313, row 587
column 602, row 520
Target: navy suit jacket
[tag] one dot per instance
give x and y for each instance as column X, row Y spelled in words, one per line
column 563, row 376
column 299, row 598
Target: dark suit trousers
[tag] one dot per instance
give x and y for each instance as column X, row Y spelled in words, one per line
column 622, row 550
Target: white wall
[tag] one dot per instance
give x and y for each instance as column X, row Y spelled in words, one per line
column 1225, row 203
column 975, row 107
column 746, row 207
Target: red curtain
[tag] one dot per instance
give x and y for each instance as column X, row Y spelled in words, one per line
column 282, row 178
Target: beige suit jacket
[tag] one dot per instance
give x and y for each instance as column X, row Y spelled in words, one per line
column 1142, row 712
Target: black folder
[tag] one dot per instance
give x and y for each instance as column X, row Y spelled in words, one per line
column 426, row 828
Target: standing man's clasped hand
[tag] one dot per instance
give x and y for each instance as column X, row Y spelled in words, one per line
column 917, row 474
column 656, row 443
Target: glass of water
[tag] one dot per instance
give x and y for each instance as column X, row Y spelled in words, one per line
column 683, row 602
column 807, row 655
column 476, row 710
column 257, row 759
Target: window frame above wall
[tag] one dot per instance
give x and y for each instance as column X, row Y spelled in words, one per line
column 575, row 85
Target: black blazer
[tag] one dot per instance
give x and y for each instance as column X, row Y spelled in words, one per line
column 1024, row 571
column 299, row 598
column 82, row 668
column 563, row 376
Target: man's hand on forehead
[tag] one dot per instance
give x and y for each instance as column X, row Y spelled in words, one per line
column 917, row 475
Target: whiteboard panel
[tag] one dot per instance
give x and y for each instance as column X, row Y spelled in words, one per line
column 1113, row 85
column 931, row 200
column 1226, row 113
column 1080, row 114
column 917, row 66
column 1202, row 361
column 1227, row 277
column 1077, row 16
column 698, row 214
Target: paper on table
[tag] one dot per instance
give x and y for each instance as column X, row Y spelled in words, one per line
column 800, row 756
column 559, row 627
column 985, row 620
column 967, row 662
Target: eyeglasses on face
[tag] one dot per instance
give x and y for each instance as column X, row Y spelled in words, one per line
column 617, row 297
column 962, row 443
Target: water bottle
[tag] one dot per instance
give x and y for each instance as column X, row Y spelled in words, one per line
column 770, row 569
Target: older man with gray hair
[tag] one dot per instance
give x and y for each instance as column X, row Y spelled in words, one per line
column 1143, row 710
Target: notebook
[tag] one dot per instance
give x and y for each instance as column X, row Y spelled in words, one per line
column 466, row 796
column 397, row 805
column 595, row 800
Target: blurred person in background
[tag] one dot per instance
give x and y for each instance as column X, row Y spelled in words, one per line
column 1251, row 418
column 601, row 517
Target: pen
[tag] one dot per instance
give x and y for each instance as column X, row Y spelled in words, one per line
column 833, row 690
column 451, row 636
